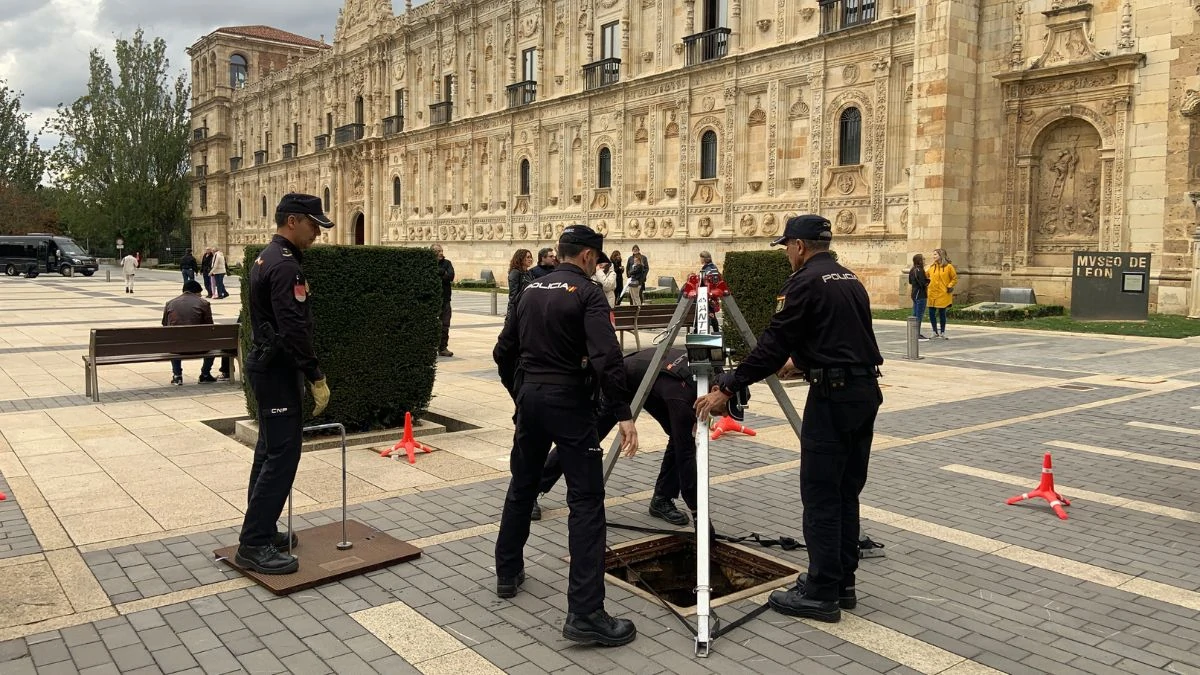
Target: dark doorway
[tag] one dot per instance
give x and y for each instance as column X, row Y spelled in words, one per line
column 360, row 230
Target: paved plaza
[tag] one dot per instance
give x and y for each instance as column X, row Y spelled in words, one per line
column 115, row 508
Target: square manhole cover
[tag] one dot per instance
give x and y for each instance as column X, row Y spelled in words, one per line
column 668, row 566
column 1075, row 387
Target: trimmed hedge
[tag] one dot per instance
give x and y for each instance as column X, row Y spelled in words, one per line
column 1017, row 314
column 378, row 322
column 755, row 279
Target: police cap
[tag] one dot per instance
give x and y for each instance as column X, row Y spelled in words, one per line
column 304, row 205
column 583, row 235
column 809, row 227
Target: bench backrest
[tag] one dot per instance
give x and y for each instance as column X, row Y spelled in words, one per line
column 163, row 340
column 628, row 317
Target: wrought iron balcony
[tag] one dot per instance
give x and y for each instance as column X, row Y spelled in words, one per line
column 601, row 73
column 235, row 163
column 200, row 134
column 710, row 45
column 839, row 14
column 321, row 142
column 348, row 133
column 393, row 125
column 260, row 157
column 522, row 93
column 201, row 170
column 441, row 113
column 289, row 151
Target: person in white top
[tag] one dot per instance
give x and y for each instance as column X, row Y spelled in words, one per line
column 606, row 276
column 129, row 265
column 218, row 273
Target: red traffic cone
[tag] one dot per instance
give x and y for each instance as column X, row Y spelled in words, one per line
column 3, row 496
column 1045, row 490
column 727, row 424
column 408, row 443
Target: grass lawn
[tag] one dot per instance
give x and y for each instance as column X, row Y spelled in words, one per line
column 1158, row 325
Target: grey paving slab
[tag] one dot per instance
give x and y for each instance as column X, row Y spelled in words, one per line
column 16, row 536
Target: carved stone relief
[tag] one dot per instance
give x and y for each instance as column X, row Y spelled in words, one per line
column 668, row 228
column 845, row 222
column 747, row 225
column 705, row 227
column 650, row 228
column 1067, row 184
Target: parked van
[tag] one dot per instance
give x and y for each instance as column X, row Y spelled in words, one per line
column 48, row 252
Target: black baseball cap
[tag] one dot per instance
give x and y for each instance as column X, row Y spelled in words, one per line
column 584, row 236
column 305, row 205
column 810, row 227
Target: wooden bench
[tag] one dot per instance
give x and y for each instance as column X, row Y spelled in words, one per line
column 109, row 346
column 631, row 319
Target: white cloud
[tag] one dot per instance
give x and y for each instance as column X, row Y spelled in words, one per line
column 44, row 44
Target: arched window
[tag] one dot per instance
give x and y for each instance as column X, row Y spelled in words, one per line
column 396, row 191
column 264, row 206
column 605, row 168
column 239, row 208
column 325, row 208
column 850, row 138
column 524, row 177
column 708, row 154
column 238, row 71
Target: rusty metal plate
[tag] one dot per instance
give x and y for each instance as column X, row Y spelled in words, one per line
column 321, row 562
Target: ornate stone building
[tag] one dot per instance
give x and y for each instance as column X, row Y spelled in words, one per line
column 1010, row 133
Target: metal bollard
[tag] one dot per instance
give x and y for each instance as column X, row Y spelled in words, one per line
column 495, row 310
column 914, row 330
column 107, row 274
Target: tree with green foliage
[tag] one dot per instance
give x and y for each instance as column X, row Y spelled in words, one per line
column 123, row 156
column 22, row 163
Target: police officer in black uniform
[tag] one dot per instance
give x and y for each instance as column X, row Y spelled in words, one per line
column 281, row 359
column 823, row 323
column 556, row 347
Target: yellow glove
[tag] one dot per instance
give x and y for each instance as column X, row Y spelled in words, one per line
column 320, row 392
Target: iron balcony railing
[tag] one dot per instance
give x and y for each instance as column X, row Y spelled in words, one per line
column 260, row 157
column 839, row 14
column 601, row 73
column 200, row 134
column 522, row 93
column 235, row 163
column 440, row 113
column 201, row 170
column 289, row 151
column 393, row 125
column 348, row 133
column 710, row 45
column 321, row 142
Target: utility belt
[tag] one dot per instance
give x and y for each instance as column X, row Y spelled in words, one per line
column 836, row 378
column 562, row 379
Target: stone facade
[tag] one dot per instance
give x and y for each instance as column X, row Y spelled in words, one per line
column 1010, row 133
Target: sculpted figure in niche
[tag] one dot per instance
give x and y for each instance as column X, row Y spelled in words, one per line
column 1067, row 184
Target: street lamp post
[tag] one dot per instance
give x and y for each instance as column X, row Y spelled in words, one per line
column 1194, row 306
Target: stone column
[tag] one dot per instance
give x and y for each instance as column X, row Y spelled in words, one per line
column 1194, row 304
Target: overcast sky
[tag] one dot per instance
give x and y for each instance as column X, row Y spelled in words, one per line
column 44, row 44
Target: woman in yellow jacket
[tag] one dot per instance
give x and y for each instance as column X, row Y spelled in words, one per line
column 942, row 279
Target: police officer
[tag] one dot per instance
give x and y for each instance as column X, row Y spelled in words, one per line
column 823, row 323
column 670, row 401
column 282, row 358
column 555, row 348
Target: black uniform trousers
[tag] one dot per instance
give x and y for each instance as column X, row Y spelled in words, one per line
column 446, row 312
column 562, row 415
column 672, row 403
column 279, row 392
column 835, row 447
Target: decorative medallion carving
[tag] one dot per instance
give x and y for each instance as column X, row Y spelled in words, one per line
column 904, row 221
column 650, row 228
column 705, row 227
column 769, row 225
column 850, row 74
column 528, row 26
column 708, row 103
column 806, row 13
column 845, row 222
column 668, row 228
column 633, row 229
column 522, row 231
column 747, row 225
column 601, row 228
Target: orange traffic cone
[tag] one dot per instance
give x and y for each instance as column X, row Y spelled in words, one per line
column 727, row 424
column 1045, row 490
column 408, row 443
column 3, row 496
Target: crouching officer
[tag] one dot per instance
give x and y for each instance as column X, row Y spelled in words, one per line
column 823, row 323
column 281, row 359
column 561, row 339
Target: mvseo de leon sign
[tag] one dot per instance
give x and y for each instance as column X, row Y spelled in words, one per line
column 1110, row 286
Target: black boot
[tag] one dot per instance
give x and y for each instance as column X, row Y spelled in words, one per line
column 507, row 588
column 281, row 541
column 266, row 559
column 793, row 602
column 664, row 508
column 847, row 599
column 536, row 514
column 599, row 628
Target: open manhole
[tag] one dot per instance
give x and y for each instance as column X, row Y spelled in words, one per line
column 668, row 566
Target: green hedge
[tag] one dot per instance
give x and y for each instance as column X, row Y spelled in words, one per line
column 377, row 312
column 475, row 283
column 755, row 279
column 1017, row 314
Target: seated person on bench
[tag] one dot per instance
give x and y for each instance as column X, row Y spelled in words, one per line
column 671, row 402
column 189, row 309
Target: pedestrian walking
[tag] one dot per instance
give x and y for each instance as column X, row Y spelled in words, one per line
column 619, row 267
column 822, row 324
column 919, row 283
column 446, row 272
column 547, row 262
column 129, row 265
column 638, row 270
column 187, row 266
column 206, row 262
column 281, row 359
column 518, row 277
column 218, row 274
column 555, row 348
column 942, row 280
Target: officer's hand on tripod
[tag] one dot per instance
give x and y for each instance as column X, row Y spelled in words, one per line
column 713, row 401
column 320, row 392
column 629, row 439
